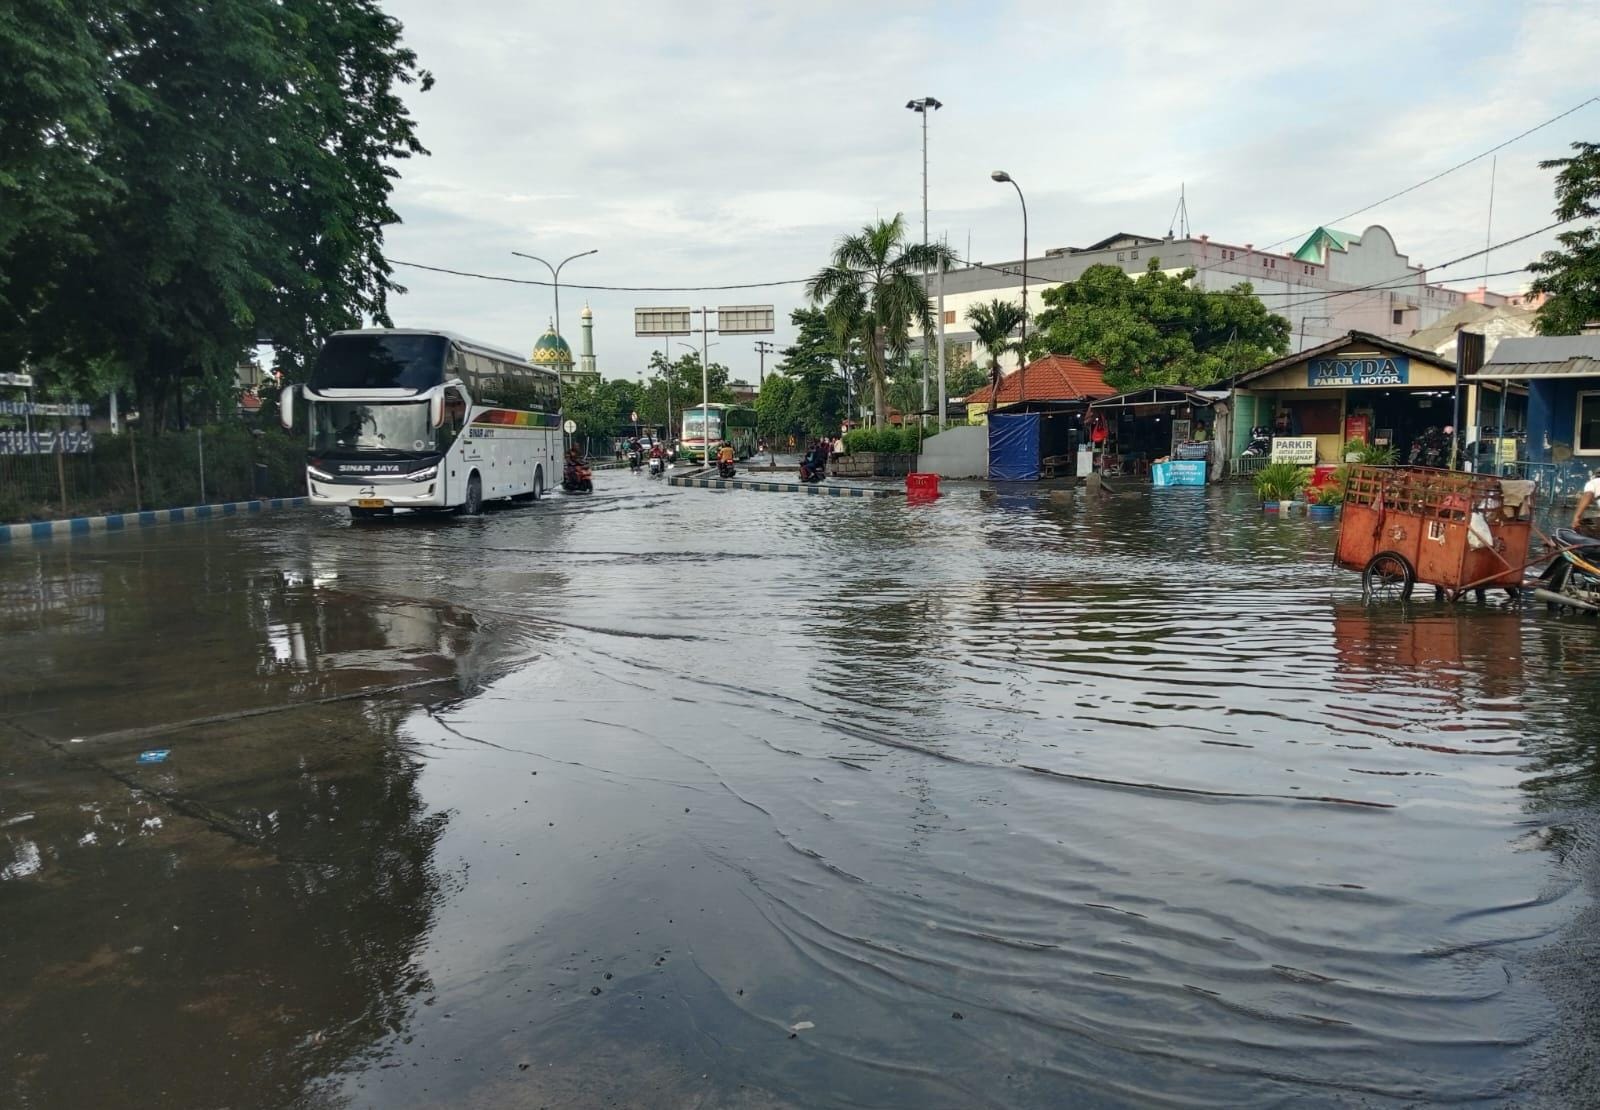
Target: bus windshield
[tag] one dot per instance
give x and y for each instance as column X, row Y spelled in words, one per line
column 385, row 361
column 694, row 423
column 361, row 428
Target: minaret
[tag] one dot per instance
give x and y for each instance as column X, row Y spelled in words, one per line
column 586, row 353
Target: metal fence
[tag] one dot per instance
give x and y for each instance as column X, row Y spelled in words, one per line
column 124, row 473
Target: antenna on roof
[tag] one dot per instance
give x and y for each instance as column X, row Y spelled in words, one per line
column 1180, row 215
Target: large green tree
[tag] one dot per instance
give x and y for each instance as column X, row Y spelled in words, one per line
column 872, row 285
column 1158, row 328
column 1571, row 275
column 196, row 177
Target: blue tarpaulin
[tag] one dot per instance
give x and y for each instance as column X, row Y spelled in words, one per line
column 1014, row 447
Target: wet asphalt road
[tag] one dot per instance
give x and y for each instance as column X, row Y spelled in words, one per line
column 687, row 798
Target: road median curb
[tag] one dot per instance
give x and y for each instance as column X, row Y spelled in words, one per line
column 148, row 518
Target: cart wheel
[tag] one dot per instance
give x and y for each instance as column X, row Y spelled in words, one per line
column 1388, row 577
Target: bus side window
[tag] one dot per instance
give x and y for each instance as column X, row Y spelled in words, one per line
column 455, row 418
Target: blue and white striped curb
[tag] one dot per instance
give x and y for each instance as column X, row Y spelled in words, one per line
column 693, row 481
column 118, row 522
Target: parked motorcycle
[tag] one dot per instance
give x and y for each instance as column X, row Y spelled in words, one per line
column 577, row 478
column 1260, row 443
column 1431, row 448
column 1572, row 580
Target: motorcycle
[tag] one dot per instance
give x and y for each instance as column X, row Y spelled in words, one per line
column 725, row 469
column 658, row 466
column 1572, row 580
column 1260, row 443
column 577, row 478
column 1431, row 448
column 635, row 460
column 811, row 471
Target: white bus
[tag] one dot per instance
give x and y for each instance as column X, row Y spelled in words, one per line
column 402, row 419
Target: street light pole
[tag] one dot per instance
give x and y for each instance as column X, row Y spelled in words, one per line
column 923, row 107
column 1022, row 353
column 555, row 275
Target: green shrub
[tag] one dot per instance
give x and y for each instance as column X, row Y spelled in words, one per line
column 1280, row 481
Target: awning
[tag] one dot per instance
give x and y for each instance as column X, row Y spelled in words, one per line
column 1160, row 396
column 1522, row 371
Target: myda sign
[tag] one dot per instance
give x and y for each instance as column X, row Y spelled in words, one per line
column 1359, row 371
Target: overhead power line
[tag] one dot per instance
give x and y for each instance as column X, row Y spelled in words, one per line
column 601, row 288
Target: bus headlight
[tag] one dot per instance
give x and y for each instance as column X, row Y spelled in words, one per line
column 319, row 475
column 425, row 474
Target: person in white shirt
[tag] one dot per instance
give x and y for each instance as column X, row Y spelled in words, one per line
column 1591, row 490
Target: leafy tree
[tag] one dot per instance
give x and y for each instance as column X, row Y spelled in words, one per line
column 775, row 407
column 824, row 358
column 1158, row 329
column 1571, row 275
column 872, row 288
column 223, row 172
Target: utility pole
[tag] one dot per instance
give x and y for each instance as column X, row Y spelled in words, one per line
column 923, row 107
column 763, row 348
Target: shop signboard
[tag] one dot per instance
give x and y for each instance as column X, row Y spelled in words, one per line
column 1356, row 427
column 1295, row 449
column 46, row 443
column 1178, row 472
column 23, row 380
column 1359, row 371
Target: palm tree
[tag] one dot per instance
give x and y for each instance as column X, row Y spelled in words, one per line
column 873, row 281
column 993, row 324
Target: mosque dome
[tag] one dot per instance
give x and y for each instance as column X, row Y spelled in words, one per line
column 587, row 315
column 551, row 350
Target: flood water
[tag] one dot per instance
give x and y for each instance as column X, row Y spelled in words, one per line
column 691, row 798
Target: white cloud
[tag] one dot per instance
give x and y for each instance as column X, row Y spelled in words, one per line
column 715, row 143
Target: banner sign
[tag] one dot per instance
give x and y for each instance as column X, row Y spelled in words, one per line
column 1295, row 449
column 1359, row 371
column 42, row 408
column 1178, row 472
column 46, row 443
column 24, row 380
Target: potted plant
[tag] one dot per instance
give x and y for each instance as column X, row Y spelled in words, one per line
column 1277, row 483
column 1324, row 500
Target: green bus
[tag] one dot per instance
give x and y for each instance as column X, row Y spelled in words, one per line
column 734, row 423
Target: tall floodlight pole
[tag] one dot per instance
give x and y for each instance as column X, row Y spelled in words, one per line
column 555, row 275
column 1022, row 353
column 923, row 107
column 943, row 392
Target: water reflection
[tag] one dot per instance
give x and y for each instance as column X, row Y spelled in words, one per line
column 1030, row 801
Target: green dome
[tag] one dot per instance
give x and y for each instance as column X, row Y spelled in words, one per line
column 551, row 350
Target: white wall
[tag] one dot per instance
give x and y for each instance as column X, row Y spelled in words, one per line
column 959, row 452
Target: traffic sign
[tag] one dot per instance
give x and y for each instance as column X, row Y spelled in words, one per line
column 634, row 416
column 570, row 426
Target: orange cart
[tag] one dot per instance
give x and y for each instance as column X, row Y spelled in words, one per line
column 1444, row 528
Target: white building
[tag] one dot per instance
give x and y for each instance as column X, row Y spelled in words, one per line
column 1335, row 283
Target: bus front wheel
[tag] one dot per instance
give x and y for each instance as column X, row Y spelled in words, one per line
column 473, row 505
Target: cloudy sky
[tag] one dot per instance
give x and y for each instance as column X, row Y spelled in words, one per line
column 716, row 143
